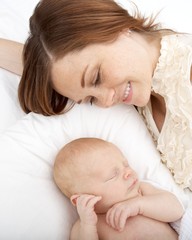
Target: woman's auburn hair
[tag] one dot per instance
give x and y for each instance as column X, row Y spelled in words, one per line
column 58, row 27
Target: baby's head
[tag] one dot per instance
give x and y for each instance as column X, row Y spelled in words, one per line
column 77, row 161
column 94, row 166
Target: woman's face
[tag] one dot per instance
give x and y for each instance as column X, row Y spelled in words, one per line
column 107, row 74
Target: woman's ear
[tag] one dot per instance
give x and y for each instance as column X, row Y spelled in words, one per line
column 73, row 199
column 127, row 32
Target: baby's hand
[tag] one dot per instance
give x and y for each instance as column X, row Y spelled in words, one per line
column 85, row 207
column 118, row 214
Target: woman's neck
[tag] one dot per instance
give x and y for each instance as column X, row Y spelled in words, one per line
column 158, row 110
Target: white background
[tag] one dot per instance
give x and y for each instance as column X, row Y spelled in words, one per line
column 175, row 14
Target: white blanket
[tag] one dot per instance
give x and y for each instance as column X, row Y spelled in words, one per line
column 186, row 225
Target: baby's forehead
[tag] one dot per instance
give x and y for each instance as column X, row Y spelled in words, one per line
column 86, row 153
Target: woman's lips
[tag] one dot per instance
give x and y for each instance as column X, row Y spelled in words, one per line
column 127, row 90
column 128, row 93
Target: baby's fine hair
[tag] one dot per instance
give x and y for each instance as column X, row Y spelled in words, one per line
column 70, row 157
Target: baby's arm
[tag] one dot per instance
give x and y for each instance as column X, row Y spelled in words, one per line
column 86, row 227
column 154, row 203
column 11, row 56
column 160, row 204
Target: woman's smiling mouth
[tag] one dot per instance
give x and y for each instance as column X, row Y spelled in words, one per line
column 127, row 92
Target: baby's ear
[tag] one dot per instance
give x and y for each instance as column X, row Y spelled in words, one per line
column 73, row 199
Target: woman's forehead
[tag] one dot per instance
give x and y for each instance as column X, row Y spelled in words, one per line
column 71, row 65
column 65, row 71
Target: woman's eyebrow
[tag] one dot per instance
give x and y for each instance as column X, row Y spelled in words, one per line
column 83, row 77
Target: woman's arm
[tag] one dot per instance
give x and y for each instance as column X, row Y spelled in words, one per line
column 11, row 56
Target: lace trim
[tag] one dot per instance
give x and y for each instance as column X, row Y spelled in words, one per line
column 172, row 81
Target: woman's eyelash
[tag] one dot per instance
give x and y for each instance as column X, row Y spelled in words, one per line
column 97, row 80
column 96, row 83
column 91, row 100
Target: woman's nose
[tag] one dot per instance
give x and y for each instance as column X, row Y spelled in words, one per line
column 105, row 98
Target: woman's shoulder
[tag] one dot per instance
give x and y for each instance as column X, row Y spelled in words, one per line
column 174, row 54
column 178, row 38
column 185, row 38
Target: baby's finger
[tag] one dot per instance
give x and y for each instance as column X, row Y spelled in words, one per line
column 92, row 201
column 122, row 220
column 116, row 220
column 85, row 200
column 110, row 218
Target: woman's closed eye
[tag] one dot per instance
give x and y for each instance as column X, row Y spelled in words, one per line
column 95, row 83
column 97, row 79
column 92, row 99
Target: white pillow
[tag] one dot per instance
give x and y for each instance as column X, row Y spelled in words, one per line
column 14, row 16
column 9, row 104
column 31, row 206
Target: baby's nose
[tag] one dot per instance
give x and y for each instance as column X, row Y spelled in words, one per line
column 127, row 173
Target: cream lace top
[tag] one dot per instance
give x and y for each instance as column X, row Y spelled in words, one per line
column 172, row 81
